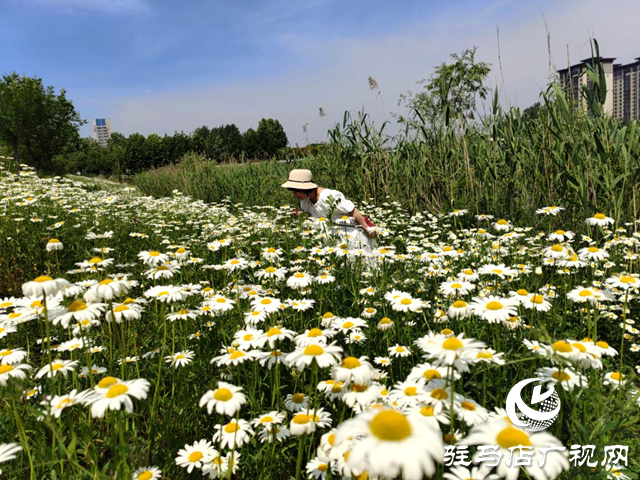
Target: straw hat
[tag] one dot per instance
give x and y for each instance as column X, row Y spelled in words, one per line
column 300, row 180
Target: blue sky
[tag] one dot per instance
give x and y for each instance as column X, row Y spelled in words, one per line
column 161, row 66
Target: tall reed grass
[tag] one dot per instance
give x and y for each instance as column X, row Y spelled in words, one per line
column 571, row 155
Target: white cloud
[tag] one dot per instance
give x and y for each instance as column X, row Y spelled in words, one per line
column 337, row 81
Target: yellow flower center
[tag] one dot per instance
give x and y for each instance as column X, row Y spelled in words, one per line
column 385, row 321
column 411, row 391
column 602, row 344
column 146, row 475
column 43, row 278
column 348, row 324
column 427, row 411
column 5, row 368
column 299, row 275
column 431, row 373
column 297, row 398
column 585, row 293
column 195, row 456
column 459, row 304
column 617, row 376
column 301, row 419
column 557, row 248
column 76, row 306
column 121, row 308
column 274, row 331
column 560, row 232
column 485, row 354
column 231, row 427
column 439, row 394
column 313, row 350
column 493, row 305
column 512, row 437
column 593, row 249
column 117, row 390
column 351, row 362
column 561, row 376
column 390, row 425
column 106, row 281
column 579, row 346
column 405, row 301
column 237, row 354
column 627, row 279
column 400, row 349
column 56, row 366
column 63, row 403
column 106, row 382
column 502, row 222
column 95, row 260
column 314, row 332
column 537, row 299
column 265, row 301
column 456, row 285
column 600, row 216
column 468, row 406
column 562, row 346
column 358, row 388
column 452, row 343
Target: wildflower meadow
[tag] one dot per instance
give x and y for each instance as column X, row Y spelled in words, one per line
column 170, row 338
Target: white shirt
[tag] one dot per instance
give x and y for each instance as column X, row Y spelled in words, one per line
column 328, row 199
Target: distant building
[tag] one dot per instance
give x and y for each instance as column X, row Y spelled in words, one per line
column 627, row 90
column 102, row 130
column 622, row 81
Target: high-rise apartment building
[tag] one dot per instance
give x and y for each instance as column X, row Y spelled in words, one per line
column 622, row 81
column 627, row 90
column 102, row 130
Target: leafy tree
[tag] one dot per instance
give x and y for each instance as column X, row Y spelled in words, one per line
column 32, row 116
column 135, row 153
column 199, row 139
column 176, row 146
column 215, row 145
column 117, row 139
column 451, row 91
column 271, row 136
column 532, row 112
column 153, row 151
column 251, row 143
column 232, row 140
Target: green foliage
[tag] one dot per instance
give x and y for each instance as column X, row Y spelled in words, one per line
column 451, row 91
column 271, row 136
column 36, row 120
column 503, row 162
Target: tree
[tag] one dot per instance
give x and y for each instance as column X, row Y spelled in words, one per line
column 199, row 139
column 250, row 143
column 134, row 153
column 271, row 136
column 231, row 140
column 32, row 116
column 532, row 112
column 153, row 151
column 451, row 91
